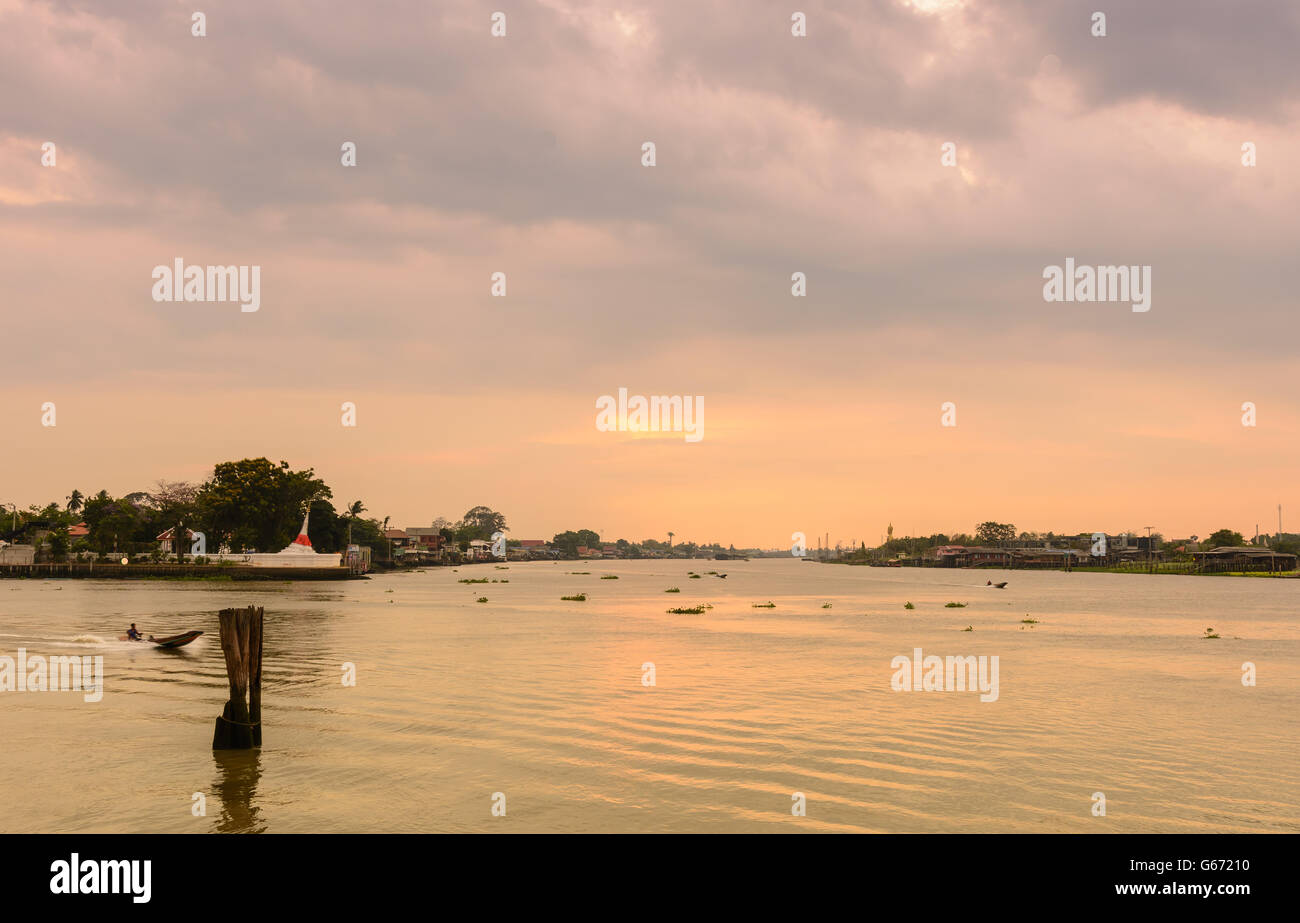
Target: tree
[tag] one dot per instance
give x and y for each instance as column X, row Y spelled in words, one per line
column 1225, row 537
column 1284, row 544
column 58, row 540
column 569, row 542
column 176, row 506
column 355, row 509
column 74, row 501
column 255, row 503
column 112, row 523
column 481, row 522
column 993, row 533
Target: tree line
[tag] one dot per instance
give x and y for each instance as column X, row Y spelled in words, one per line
column 247, row 505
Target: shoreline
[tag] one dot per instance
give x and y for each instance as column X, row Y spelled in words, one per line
column 83, row 570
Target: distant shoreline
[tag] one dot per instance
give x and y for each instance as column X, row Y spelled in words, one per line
column 1159, row 570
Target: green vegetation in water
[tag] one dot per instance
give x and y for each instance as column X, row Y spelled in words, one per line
column 695, row 576
column 481, row 599
column 954, row 605
column 580, row 598
column 969, row 628
column 908, row 606
column 1028, row 621
column 687, row 610
column 580, row 572
column 767, row 605
column 1210, row 634
column 388, row 591
column 473, row 580
column 610, row 577
column 501, row 567
column 826, row 605
column 673, row 589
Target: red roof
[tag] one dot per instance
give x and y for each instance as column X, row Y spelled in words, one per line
column 167, row 536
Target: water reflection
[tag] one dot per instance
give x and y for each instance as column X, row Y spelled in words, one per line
column 238, row 772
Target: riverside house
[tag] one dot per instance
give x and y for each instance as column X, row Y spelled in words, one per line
column 1244, row 559
column 968, row 556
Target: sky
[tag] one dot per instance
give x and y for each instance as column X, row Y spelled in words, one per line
column 774, row 154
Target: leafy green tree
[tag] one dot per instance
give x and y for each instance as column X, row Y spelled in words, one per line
column 58, row 540
column 355, row 509
column 113, row 524
column 994, row 533
column 480, row 522
column 255, row 503
column 1285, row 544
column 1225, row 537
column 568, row 542
column 74, row 501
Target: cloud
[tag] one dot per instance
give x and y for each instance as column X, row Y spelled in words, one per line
column 522, row 155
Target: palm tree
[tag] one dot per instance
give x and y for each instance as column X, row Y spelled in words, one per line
column 355, row 509
column 670, row 540
column 74, row 501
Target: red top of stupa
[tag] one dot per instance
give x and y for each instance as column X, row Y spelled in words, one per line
column 302, row 538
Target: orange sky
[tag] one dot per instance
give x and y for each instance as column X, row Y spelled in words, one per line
column 775, row 155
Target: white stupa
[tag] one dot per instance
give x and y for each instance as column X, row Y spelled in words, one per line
column 300, row 548
column 298, row 553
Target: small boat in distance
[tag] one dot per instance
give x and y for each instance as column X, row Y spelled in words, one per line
column 997, row 586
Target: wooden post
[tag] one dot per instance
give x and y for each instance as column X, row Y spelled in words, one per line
column 255, row 677
column 239, row 725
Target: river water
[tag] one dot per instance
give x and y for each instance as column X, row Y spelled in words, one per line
column 544, row 705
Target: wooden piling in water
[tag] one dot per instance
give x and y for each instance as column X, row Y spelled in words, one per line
column 239, row 726
column 255, row 677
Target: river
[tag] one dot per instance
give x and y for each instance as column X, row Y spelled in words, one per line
column 546, row 707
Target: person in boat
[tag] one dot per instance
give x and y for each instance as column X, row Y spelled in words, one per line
column 133, row 634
